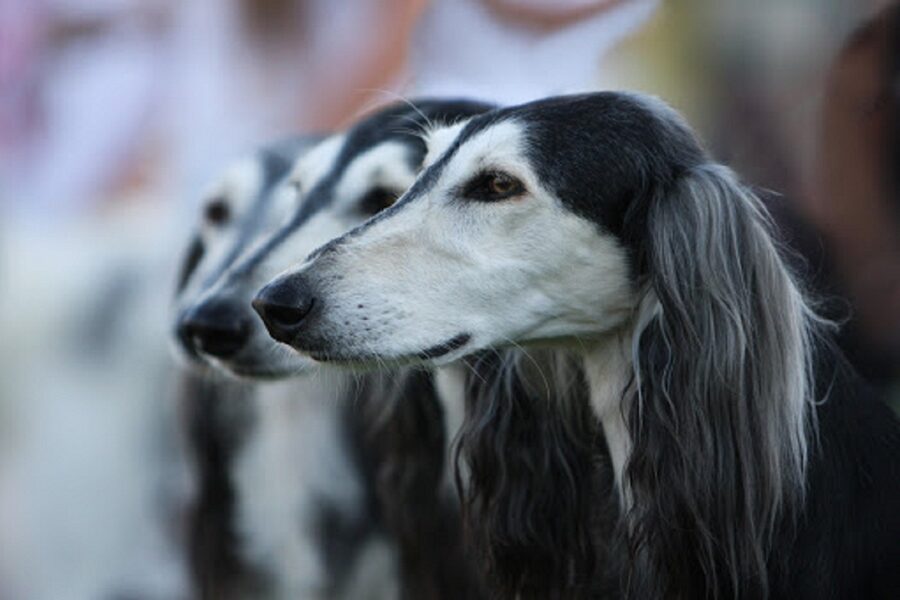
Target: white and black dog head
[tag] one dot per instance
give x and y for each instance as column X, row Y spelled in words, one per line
column 526, row 227
column 344, row 180
column 248, row 201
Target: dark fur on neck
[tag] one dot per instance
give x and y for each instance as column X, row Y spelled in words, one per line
column 217, row 419
column 537, row 483
column 403, row 440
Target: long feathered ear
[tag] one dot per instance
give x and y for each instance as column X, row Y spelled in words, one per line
column 720, row 413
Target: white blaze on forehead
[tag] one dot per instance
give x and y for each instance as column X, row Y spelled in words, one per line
column 439, row 139
column 282, row 204
column 313, row 166
column 385, row 165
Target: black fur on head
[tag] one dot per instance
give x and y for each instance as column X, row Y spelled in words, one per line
column 534, row 478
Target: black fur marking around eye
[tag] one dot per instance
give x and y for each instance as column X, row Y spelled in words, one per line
column 492, row 186
column 400, row 123
column 217, row 212
column 604, row 155
column 377, row 199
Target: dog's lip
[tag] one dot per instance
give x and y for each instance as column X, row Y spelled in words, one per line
column 430, row 353
column 258, row 372
column 187, row 349
column 454, row 343
column 256, row 368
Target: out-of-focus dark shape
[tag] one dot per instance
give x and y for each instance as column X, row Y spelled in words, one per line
column 854, row 200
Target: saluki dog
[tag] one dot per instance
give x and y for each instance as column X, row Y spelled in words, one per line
column 749, row 460
column 342, row 181
column 281, row 507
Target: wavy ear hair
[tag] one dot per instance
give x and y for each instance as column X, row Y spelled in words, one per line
column 402, row 448
column 534, row 477
column 720, row 408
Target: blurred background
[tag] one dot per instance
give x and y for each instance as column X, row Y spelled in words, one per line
column 115, row 113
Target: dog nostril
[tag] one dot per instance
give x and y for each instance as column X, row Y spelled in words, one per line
column 215, row 328
column 285, row 315
column 283, row 309
column 282, row 321
column 217, row 339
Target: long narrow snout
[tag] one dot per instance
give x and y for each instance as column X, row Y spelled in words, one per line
column 284, row 305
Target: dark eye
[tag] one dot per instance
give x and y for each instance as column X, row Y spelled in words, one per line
column 492, row 186
column 217, row 212
column 377, row 199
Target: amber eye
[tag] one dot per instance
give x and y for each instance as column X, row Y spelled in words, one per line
column 217, row 212
column 501, row 184
column 493, row 185
column 377, row 199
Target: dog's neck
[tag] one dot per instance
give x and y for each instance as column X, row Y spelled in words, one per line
column 607, row 367
column 450, row 385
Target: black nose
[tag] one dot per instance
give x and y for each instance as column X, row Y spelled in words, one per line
column 283, row 305
column 215, row 328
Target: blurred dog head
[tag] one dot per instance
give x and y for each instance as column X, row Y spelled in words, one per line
column 249, row 200
column 345, row 179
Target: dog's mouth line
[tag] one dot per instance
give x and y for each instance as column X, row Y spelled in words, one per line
column 256, row 372
column 430, row 353
column 258, row 368
column 454, row 343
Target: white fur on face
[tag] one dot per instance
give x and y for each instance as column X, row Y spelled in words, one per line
column 250, row 221
column 236, row 190
column 312, row 167
column 441, row 267
column 384, row 166
column 438, row 140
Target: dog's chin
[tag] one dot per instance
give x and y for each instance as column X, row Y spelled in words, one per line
column 186, row 356
column 372, row 357
column 249, row 368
